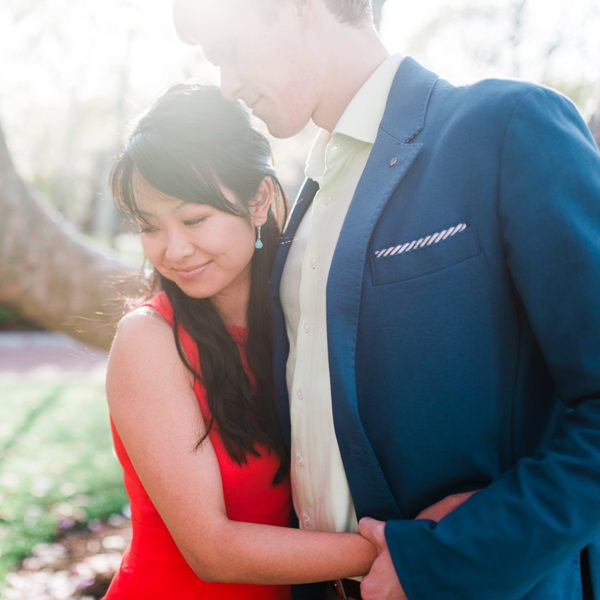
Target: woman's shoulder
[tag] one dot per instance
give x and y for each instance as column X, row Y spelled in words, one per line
column 157, row 304
column 142, row 323
column 144, row 339
column 161, row 303
column 143, row 350
column 145, row 331
column 155, row 312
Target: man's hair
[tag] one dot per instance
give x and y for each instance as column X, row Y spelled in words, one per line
column 354, row 12
column 350, row 11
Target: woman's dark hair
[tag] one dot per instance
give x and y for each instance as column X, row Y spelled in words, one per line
column 188, row 143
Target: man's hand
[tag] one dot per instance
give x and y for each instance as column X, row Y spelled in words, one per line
column 381, row 583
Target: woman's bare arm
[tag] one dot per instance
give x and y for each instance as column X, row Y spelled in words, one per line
column 156, row 413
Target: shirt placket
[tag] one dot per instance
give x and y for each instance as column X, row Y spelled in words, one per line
column 309, row 388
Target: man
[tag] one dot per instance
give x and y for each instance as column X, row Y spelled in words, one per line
column 439, row 324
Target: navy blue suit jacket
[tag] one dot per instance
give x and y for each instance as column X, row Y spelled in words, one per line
column 463, row 323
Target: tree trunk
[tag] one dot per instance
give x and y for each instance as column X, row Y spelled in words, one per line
column 50, row 274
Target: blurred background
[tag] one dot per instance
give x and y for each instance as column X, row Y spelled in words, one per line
column 73, row 76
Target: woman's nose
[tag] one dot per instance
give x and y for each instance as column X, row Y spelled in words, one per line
column 178, row 247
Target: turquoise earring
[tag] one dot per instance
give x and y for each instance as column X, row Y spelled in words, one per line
column 258, row 243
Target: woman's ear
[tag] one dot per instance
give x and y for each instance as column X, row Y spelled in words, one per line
column 260, row 204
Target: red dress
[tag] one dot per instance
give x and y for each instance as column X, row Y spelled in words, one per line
column 152, row 567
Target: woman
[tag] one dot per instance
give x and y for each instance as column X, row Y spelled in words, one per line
column 189, row 377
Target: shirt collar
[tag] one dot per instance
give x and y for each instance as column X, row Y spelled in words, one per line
column 361, row 118
column 315, row 161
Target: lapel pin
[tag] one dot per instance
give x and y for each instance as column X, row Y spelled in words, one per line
column 393, row 161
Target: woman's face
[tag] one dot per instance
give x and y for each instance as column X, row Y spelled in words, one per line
column 205, row 251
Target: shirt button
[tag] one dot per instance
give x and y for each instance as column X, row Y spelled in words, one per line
column 306, row 520
column 299, row 394
column 326, row 200
column 306, row 327
column 299, row 460
column 313, row 263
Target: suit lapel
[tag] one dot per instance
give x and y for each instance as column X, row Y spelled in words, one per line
column 391, row 157
column 281, row 349
column 303, row 201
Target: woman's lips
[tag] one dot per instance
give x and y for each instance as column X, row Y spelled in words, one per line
column 191, row 272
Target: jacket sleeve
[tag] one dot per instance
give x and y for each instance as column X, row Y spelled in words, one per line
column 546, row 508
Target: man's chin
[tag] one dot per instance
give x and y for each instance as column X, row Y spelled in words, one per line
column 277, row 121
column 282, row 130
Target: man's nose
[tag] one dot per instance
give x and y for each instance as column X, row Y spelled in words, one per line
column 184, row 20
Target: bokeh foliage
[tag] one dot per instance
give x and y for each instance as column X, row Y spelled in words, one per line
column 57, row 467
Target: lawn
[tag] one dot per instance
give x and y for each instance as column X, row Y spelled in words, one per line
column 57, row 467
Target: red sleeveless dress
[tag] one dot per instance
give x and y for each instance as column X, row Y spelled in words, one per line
column 152, row 567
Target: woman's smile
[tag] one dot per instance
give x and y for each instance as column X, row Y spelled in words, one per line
column 189, row 273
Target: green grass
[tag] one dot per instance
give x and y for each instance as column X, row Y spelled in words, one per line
column 56, row 464
column 7, row 318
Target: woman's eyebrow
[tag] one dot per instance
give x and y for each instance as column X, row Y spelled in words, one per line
column 142, row 213
column 179, row 206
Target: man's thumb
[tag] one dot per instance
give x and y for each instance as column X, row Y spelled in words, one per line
column 372, row 530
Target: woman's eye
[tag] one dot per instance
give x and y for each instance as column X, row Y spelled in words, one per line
column 146, row 229
column 196, row 221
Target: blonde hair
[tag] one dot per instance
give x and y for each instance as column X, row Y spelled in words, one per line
column 353, row 12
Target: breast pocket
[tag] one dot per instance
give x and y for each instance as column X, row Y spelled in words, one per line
column 425, row 255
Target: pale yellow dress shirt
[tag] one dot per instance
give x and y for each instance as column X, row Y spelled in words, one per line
column 319, row 486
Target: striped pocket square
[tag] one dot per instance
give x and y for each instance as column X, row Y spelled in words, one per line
column 430, row 240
